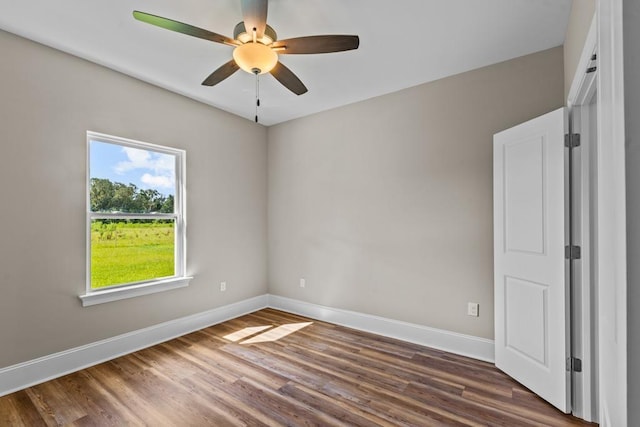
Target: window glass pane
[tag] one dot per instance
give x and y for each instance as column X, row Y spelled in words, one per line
column 126, row 251
column 130, row 180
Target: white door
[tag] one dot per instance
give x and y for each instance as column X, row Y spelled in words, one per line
column 531, row 326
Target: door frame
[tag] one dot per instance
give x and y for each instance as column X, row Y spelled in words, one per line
column 612, row 248
column 584, row 334
column 610, row 331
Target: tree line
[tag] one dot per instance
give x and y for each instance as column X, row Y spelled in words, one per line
column 107, row 196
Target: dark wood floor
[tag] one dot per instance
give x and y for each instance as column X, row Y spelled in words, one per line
column 274, row 368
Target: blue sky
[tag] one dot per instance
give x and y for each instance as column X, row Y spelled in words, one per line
column 145, row 169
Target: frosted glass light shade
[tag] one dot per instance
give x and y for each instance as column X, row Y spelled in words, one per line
column 251, row 56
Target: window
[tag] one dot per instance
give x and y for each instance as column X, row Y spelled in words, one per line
column 135, row 219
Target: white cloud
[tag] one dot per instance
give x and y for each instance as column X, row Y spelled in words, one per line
column 137, row 159
column 158, row 168
column 157, row 181
column 143, row 159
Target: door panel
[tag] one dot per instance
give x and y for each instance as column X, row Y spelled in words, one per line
column 524, row 195
column 526, row 299
column 529, row 236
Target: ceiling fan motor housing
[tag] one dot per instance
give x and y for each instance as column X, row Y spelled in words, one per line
column 240, row 33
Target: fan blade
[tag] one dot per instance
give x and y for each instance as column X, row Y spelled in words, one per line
column 316, row 44
column 221, row 73
column 254, row 13
column 288, row 79
column 179, row 27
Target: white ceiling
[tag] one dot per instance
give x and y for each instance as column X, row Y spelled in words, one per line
column 403, row 43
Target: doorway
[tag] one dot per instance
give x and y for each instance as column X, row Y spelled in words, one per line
column 546, row 252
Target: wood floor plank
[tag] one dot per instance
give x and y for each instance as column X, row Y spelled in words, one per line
column 89, row 393
column 347, row 367
column 18, row 409
column 426, row 372
column 271, row 368
column 349, row 414
column 243, row 412
column 466, row 409
column 286, row 411
column 383, row 403
column 54, row 403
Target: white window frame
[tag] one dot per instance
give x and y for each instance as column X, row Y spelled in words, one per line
column 130, row 290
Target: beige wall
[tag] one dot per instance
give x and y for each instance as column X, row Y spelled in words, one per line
column 48, row 100
column 385, row 206
column 582, row 12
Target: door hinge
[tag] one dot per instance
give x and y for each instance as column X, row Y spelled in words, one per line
column 574, row 364
column 572, row 252
column 572, row 140
column 593, row 68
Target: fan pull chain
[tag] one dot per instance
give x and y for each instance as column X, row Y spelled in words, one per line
column 257, row 94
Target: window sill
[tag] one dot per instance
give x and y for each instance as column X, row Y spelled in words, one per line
column 115, row 294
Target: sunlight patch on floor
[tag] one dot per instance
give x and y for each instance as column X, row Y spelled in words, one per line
column 246, row 332
column 277, row 333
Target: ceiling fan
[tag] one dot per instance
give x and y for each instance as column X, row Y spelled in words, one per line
column 256, row 46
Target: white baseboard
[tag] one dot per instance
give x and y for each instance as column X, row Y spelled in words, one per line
column 26, row 374
column 465, row 345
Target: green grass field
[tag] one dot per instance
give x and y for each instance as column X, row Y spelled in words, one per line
column 128, row 252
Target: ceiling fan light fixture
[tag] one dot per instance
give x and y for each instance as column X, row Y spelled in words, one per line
column 255, row 56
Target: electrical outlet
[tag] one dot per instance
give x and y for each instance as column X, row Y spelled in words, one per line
column 303, row 283
column 223, row 286
column 473, row 309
